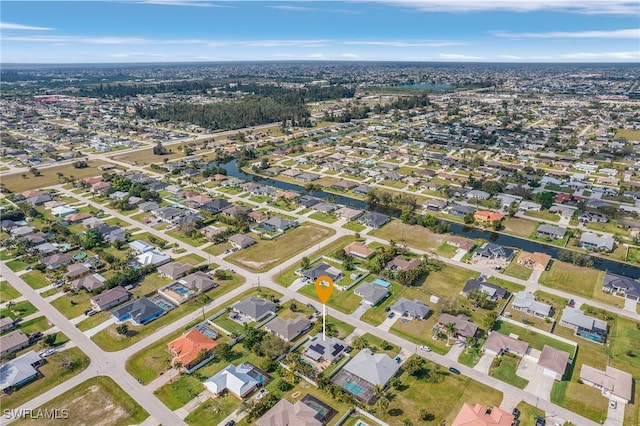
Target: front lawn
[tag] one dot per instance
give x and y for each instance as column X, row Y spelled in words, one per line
column 73, row 305
column 53, row 374
column 544, row 215
column 17, row 265
column 93, row 321
column 213, row 411
column 343, row 301
column 35, row 279
column 378, row 345
column 19, row 310
column 267, row 253
column 354, row 226
column 506, row 371
column 177, row 393
column 518, row 271
column 535, row 340
column 528, row 414
column 7, row 292
column 446, row 250
column 323, row 217
column 191, row 259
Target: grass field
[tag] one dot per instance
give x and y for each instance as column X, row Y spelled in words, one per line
column 571, row 278
column 411, row 235
column 506, row 372
column 146, row 156
column 191, row 259
column 53, row 375
column 543, row 214
column 344, row 301
column 49, row 176
column 19, row 310
column 93, row 321
column 628, row 134
column 7, row 292
column 443, row 400
column 528, row 414
column 35, row 279
column 446, row 250
column 73, row 305
column 98, row 400
column 518, row 226
column 177, row 393
column 36, row 324
column 518, row 271
column 324, row 217
column 267, row 253
column 354, row 226
column 378, row 345
column 213, row 411
column 16, row 265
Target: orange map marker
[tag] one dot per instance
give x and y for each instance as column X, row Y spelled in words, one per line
column 324, row 287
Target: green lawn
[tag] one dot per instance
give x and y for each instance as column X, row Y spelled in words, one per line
column 518, row 226
column 518, row 271
column 19, row 310
column 196, row 240
column 99, row 400
column 35, row 279
column 469, row 357
column 344, row 301
column 628, row 134
column 7, row 292
column 53, row 375
column 572, row 279
column 177, row 393
column 378, row 345
column 36, row 324
column 16, row 265
column 528, row 414
column 443, row 400
column 191, row 259
column 267, row 253
column 411, row 235
column 343, row 328
column 446, row 250
column 73, row 305
column 506, row 372
column 543, row 214
column 93, row 321
column 354, row 226
column 212, row 411
column 611, row 227
column 324, row 217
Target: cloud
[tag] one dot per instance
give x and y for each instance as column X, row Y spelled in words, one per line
column 350, row 56
column 459, row 57
column 428, row 43
column 292, row 8
column 603, row 56
column 76, row 39
column 514, row 57
column 20, row 27
column 316, row 56
column 630, row 33
column 591, row 7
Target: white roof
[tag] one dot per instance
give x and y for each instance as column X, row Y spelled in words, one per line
column 152, row 258
column 233, row 378
column 19, row 369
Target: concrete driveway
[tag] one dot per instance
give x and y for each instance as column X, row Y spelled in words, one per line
column 484, row 363
column 630, row 305
column 456, row 349
column 615, row 416
column 387, row 323
column 360, row 311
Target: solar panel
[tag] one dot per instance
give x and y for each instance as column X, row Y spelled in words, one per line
column 337, row 348
column 317, row 347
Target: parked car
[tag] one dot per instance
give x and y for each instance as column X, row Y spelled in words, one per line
column 612, row 403
column 425, row 348
column 454, row 370
column 398, row 359
column 90, row 312
column 516, row 413
column 572, row 303
column 391, row 315
column 230, row 423
column 540, row 421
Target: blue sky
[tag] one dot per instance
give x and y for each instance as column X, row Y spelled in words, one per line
column 392, row 30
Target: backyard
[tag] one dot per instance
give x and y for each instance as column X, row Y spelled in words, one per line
column 411, row 235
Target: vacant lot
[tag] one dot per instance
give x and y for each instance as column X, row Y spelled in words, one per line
column 411, row 235
column 7, row 292
column 519, row 227
column 146, row 156
column 628, row 134
column 518, row 271
column 571, row 278
column 267, row 253
column 97, row 401
column 49, row 176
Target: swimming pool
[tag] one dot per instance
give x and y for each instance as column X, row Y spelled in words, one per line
column 361, row 423
column 181, row 290
column 382, row 283
column 352, row 388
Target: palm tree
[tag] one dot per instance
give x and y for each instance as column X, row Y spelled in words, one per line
column 451, row 330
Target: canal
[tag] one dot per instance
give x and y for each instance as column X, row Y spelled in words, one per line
column 455, row 228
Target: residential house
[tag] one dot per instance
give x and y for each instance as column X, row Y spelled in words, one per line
column 348, row 213
column 486, row 216
column 461, row 211
column 110, row 298
column 591, row 241
column 56, row 260
column 38, row 200
column 481, row 415
column 478, row 194
column 148, row 206
column 321, row 351
column 235, row 380
column 198, row 281
column 589, row 328
column 167, row 214
column 344, row 185
column 551, row 231
column 152, row 257
column 239, row 213
column 322, row 269
column 101, row 187
column 525, row 301
column 285, row 413
column 187, row 348
column 289, row 329
column 63, row 211
column 6, row 324
column 139, row 311
column 461, row 243
column 464, row 327
column 362, row 190
column 366, row 371
column 553, row 362
column 493, row 291
column 13, row 342
column 495, row 252
column 325, row 208
column 77, row 270
column 174, row 270
column 359, row 250
column 498, row 343
column 534, row 260
column 434, row 205
column 140, row 246
column 19, row 371
column 399, row 263
column 216, row 206
column 76, row 217
column 89, row 283
column 624, row 286
column 278, row 224
column 373, row 219
column 611, row 381
column 529, row 206
column 255, row 308
column 308, row 201
column 240, row 241
column 209, row 232
column 20, row 231
column 416, row 309
column 371, row 293
column 92, row 223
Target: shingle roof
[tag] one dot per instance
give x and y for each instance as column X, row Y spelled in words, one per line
column 376, row 369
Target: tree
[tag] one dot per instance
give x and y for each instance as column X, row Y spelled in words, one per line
column 478, row 297
column 489, row 320
column 305, row 263
column 293, row 307
column 93, row 238
column 414, row 366
column 407, row 422
column 223, row 351
column 359, row 342
column 272, row 347
column 426, row 416
column 451, row 330
column 159, row 149
column 122, row 329
column 50, row 339
column 469, row 219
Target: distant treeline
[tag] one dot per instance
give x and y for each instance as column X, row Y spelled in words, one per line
column 361, row 111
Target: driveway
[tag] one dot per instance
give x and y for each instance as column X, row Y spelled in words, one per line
column 484, row 363
column 630, row 305
column 387, row 323
column 455, row 351
column 615, row 416
column 360, row 311
column 100, row 327
column 297, row 284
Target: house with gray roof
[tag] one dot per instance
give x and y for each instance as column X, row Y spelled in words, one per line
column 498, row 343
column 240, row 241
column 526, row 302
column 288, row 329
column 198, row 281
column 553, row 362
column 19, row 371
column 371, row 293
column 255, row 308
column 278, row 224
column 551, row 231
column 321, row 269
column 139, row 311
column 624, row 286
column 587, row 327
column 56, row 260
column 110, row 298
column 13, row 342
column 174, row 270
column 373, row 219
column 591, row 241
column 493, row 291
column 411, row 308
column 478, row 194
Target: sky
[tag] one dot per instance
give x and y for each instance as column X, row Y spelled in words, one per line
column 120, row 31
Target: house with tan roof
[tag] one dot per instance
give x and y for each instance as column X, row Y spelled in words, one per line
column 534, row 260
column 286, row 413
column 553, row 362
column 498, row 343
column 359, row 250
column 481, row 415
column 611, row 381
